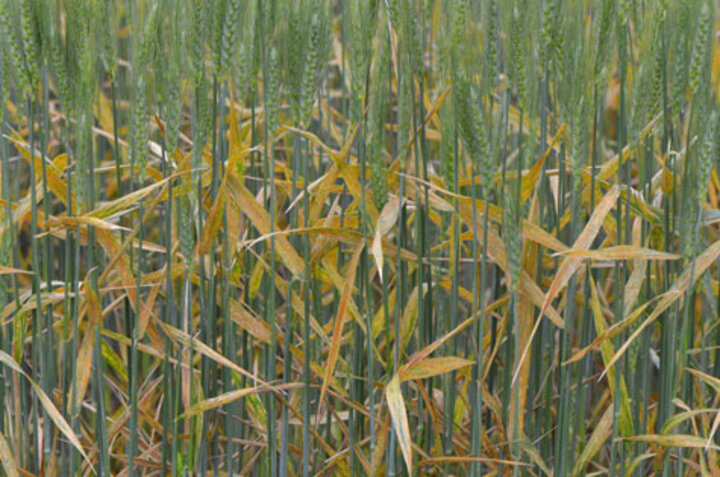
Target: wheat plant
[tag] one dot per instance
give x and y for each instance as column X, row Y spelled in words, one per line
column 363, row 237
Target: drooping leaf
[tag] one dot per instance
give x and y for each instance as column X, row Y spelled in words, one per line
column 398, row 413
column 388, row 217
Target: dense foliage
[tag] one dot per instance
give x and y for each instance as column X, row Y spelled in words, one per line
column 359, row 237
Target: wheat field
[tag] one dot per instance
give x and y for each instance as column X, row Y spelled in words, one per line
column 362, row 237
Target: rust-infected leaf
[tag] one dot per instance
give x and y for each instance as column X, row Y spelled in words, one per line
column 340, row 320
column 570, row 265
column 204, row 349
column 715, row 384
column 398, row 413
column 128, row 201
column 228, row 397
column 83, row 220
column 702, row 263
column 430, row 367
column 597, row 440
column 83, row 367
column 213, row 222
column 530, row 179
column 257, row 328
column 672, row 440
column 619, row 252
column 245, row 201
column 8, row 458
column 11, row 271
column 48, row 405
